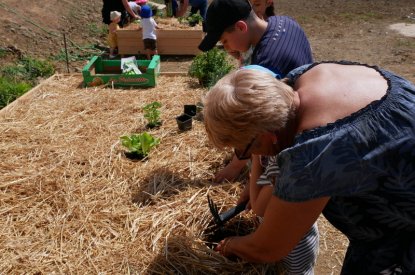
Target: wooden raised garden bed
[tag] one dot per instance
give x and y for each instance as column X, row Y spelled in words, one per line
column 169, row 41
column 99, row 71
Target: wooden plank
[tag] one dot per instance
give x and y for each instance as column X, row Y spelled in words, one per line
column 177, row 42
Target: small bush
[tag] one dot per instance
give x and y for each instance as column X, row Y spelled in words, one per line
column 28, row 68
column 9, row 90
column 210, row 66
column 18, row 78
column 37, row 68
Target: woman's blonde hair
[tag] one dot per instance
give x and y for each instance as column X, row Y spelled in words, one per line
column 243, row 104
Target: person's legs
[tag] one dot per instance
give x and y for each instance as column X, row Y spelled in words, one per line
column 193, row 10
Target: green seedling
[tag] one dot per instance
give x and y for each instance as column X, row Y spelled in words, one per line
column 139, row 145
column 152, row 114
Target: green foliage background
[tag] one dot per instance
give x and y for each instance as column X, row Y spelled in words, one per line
column 19, row 77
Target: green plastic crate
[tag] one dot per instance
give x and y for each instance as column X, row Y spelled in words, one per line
column 99, row 71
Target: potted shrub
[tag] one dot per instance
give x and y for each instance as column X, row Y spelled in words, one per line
column 138, row 145
column 210, row 66
column 152, row 114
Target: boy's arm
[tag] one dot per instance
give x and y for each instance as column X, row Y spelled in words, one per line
column 254, row 188
column 231, row 171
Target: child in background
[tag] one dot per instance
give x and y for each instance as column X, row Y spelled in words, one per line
column 115, row 17
column 149, row 27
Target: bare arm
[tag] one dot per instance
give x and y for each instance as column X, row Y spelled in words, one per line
column 285, row 223
column 183, row 8
column 231, row 171
column 112, row 28
column 254, row 188
column 128, row 9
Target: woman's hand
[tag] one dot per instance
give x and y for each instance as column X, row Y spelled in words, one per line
column 223, row 247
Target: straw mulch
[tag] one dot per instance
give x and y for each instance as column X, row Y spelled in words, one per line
column 71, row 202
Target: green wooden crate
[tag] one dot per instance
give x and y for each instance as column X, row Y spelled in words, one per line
column 99, row 71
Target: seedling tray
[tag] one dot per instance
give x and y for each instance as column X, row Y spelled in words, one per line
column 99, row 71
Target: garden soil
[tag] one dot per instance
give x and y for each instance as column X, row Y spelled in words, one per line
column 39, row 199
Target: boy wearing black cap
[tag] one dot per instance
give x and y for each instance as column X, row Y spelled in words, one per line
column 279, row 44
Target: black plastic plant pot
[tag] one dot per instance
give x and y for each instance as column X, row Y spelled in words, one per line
column 190, row 110
column 199, row 111
column 134, row 156
column 184, row 122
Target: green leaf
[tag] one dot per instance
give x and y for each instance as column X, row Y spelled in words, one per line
column 139, row 143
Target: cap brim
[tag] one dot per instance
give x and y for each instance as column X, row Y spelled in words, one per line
column 209, row 41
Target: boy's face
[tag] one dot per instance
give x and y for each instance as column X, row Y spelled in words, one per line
column 236, row 40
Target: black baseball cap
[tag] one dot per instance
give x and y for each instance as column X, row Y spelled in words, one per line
column 220, row 15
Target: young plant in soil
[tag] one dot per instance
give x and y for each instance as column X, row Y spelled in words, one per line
column 192, row 20
column 139, row 145
column 210, row 66
column 152, row 114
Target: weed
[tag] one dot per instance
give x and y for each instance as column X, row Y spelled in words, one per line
column 97, row 30
column 3, row 52
column 77, row 53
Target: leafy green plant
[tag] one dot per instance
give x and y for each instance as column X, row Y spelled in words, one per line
column 191, row 20
column 210, row 66
column 194, row 19
column 139, row 145
column 152, row 114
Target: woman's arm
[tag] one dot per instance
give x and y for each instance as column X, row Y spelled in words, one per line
column 285, row 223
column 128, row 9
column 183, row 8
